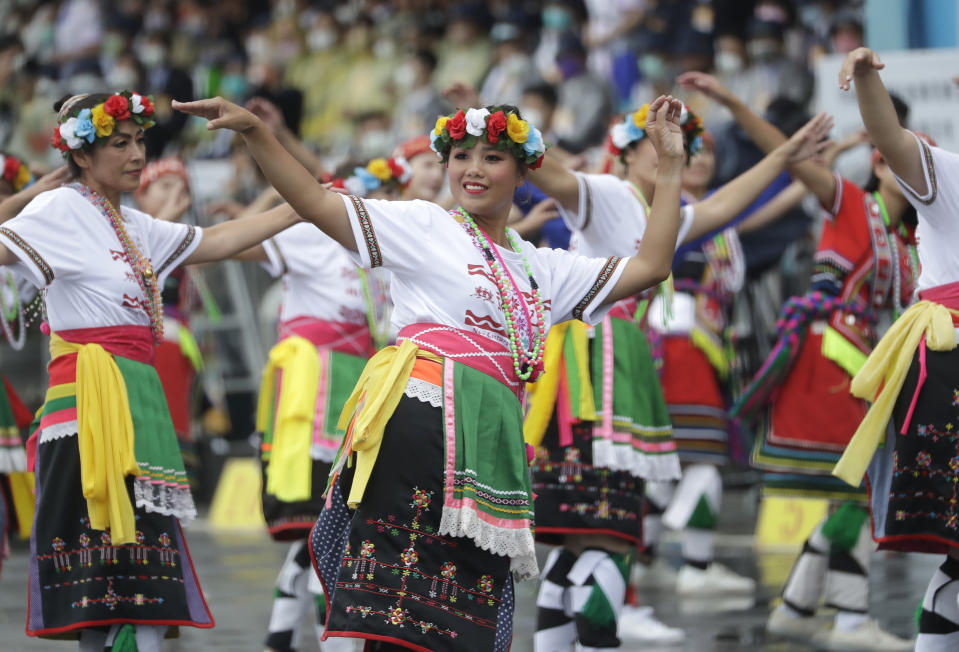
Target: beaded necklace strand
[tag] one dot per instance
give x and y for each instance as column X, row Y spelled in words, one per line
column 911, row 254
column 667, row 288
column 525, row 358
column 142, row 269
column 379, row 323
column 15, row 312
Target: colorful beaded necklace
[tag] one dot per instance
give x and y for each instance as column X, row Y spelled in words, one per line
column 527, row 352
column 911, row 254
column 142, row 269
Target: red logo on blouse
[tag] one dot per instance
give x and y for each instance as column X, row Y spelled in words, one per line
column 486, row 323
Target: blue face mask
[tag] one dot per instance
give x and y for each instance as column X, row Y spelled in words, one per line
column 557, row 18
column 234, row 86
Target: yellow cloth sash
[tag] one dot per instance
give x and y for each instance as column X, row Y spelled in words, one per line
column 886, row 368
column 837, row 348
column 104, row 438
column 542, row 394
column 370, row 406
column 703, row 341
column 289, row 472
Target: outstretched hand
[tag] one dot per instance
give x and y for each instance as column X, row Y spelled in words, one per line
column 266, row 111
column 810, row 140
column 54, row 179
column 220, row 113
column 663, row 128
column 461, row 95
column 858, row 62
column 705, row 84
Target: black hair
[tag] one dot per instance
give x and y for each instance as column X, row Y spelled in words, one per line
column 426, row 57
column 543, row 90
column 86, row 102
column 902, row 109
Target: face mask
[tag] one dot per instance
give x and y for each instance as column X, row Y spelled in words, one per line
column 320, row 39
column 121, row 77
column 405, row 76
column 152, row 54
column 374, row 142
column 728, row 62
column 652, row 66
column 233, row 86
column 257, row 47
column 532, row 116
column 384, row 48
column 112, row 45
column 556, row 18
column 762, row 49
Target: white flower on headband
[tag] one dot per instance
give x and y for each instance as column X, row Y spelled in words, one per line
column 136, row 106
column 683, row 115
column 620, row 135
column 355, row 186
column 66, row 133
column 406, row 167
column 476, row 121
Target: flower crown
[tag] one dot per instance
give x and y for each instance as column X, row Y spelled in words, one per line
column 502, row 127
column 87, row 126
column 632, row 128
column 15, row 171
column 377, row 173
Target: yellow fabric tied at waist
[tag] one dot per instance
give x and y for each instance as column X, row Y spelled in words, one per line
column 543, row 393
column 713, row 351
column 104, row 438
column 370, row 406
column 881, row 378
column 289, row 472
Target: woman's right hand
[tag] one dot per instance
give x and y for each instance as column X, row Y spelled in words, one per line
column 705, row 84
column 858, row 62
column 663, row 128
column 220, row 113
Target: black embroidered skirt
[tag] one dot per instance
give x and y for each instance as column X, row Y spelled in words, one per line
column 289, row 521
column 914, row 478
column 575, row 497
column 388, row 575
column 78, row 579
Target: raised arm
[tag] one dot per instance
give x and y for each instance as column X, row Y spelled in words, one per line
column 557, row 181
column 713, row 213
column 817, row 178
column 652, row 262
column 309, row 199
column 12, row 205
column 897, row 146
column 227, row 239
column 773, row 209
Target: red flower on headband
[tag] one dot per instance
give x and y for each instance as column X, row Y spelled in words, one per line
column 57, row 141
column 457, row 125
column 495, row 125
column 147, row 105
column 396, row 170
column 11, row 166
column 117, row 106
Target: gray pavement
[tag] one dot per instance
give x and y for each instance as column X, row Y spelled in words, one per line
column 237, row 570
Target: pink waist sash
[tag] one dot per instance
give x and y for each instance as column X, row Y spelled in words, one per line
column 624, row 309
column 343, row 337
column 466, row 347
column 131, row 342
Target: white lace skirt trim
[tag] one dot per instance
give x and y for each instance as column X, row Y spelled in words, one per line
column 425, row 391
column 623, row 457
column 160, row 499
column 515, row 544
column 58, row 431
column 13, row 460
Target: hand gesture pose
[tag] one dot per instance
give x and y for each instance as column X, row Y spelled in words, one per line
column 663, row 128
column 857, row 63
column 705, row 84
column 220, row 113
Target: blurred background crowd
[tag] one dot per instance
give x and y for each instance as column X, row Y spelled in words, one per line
column 353, row 79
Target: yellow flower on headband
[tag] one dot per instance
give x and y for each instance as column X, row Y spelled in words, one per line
column 517, row 129
column 22, row 178
column 102, row 121
column 440, row 123
column 639, row 118
column 380, row 169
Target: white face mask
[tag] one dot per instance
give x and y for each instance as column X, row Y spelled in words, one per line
column 532, row 116
column 152, row 54
column 405, row 76
column 320, row 39
column 121, row 77
column 728, row 62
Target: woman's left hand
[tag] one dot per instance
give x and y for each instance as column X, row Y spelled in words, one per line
column 810, row 140
column 663, row 128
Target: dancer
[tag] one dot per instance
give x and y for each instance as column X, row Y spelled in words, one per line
column 437, row 466
column 428, row 174
column 602, row 423
column 111, row 489
column 329, row 326
column 911, row 375
column 865, row 267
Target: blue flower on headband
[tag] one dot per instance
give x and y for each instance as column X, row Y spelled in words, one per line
column 534, row 142
column 84, row 128
column 367, row 177
column 696, row 146
column 634, row 132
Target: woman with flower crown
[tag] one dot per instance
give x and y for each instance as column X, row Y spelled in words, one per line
column 109, row 562
column 429, row 511
column 331, row 320
column 600, row 424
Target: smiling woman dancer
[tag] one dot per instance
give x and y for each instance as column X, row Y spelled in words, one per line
column 434, row 465
column 109, row 564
